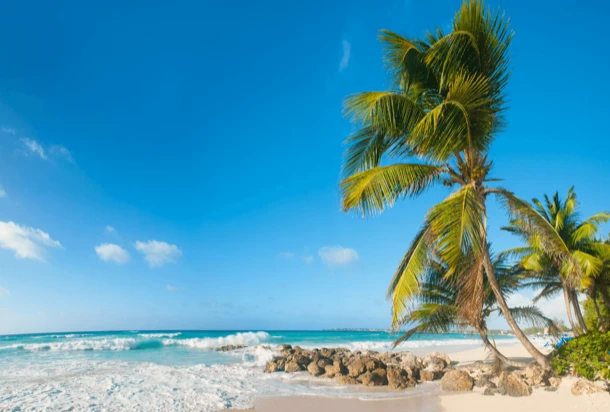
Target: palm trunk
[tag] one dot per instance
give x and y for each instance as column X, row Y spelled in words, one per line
column 541, row 359
column 566, row 297
column 497, row 353
column 605, row 297
column 600, row 321
column 578, row 312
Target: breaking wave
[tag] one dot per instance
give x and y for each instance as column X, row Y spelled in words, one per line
column 242, row 338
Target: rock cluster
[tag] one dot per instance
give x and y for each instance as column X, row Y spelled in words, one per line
column 396, row 370
column 401, row 370
column 227, row 348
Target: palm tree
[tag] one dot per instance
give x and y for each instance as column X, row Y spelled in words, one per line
column 437, row 309
column 583, row 272
column 441, row 116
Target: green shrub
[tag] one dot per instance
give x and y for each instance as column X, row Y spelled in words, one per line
column 585, row 355
column 591, row 319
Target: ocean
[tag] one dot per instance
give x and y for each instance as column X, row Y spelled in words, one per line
column 180, row 370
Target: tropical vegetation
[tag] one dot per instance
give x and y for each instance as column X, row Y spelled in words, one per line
column 435, row 126
column 587, row 356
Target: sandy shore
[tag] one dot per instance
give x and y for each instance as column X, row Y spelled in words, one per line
column 540, row 401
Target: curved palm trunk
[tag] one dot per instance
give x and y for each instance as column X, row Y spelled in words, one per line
column 497, row 353
column 578, row 312
column 605, row 297
column 566, row 297
column 541, row 359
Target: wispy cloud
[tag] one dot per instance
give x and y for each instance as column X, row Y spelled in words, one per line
column 4, row 292
column 26, row 242
column 60, row 151
column 2, row 192
column 109, row 252
column 158, row 253
column 8, row 130
column 32, row 147
column 347, row 47
column 308, row 259
column 110, row 229
column 285, row 255
column 172, row 289
column 335, row 256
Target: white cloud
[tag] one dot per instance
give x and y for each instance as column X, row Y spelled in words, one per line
column 8, row 130
column 172, row 289
column 2, row 192
column 308, row 259
column 109, row 252
column 346, row 55
column 4, row 292
column 110, row 229
column 158, row 253
column 285, row 255
column 61, row 152
column 34, row 148
column 553, row 307
column 26, row 242
column 338, row 255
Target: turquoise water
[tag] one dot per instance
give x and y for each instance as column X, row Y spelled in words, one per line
column 179, row 370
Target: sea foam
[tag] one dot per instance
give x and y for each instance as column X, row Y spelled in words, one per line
column 242, row 338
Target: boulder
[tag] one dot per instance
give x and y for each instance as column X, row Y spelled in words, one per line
column 336, row 369
column 327, row 353
column 293, row 366
column 398, row 378
column 484, row 381
column 346, row 380
column 490, row 391
column 227, row 348
column 409, row 360
column 302, row 359
column 376, row 378
column 372, row 364
column 324, row 362
column 457, row 381
column 284, row 347
column 356, row 368
column 271, row 367
column 314, row 369
column 512, row 385
column 536, row 375
column 440, row 355
column 585, row 387
column 554, row 382
column 430, row 375
column 434, row 363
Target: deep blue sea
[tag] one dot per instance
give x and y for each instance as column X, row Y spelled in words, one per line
column 177, row 370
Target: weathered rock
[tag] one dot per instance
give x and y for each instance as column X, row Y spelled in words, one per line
column 336, row 369
column 302, row 359
column 484, row 381
column 398, row 378
column 326, row 352
column 536, row 375
column 457, row 381
column 408, row 359
column 491, row 391
column 585, row 387
column 513, row 385
column 314, row 369
column 440, row 355
column 227, row 348
column 554, row 382
column 324, row 362
column 293, row 366
column 356, row 368
column 372, row 363
column 346, row 380
column 430, row 375
column 376, row 378
column 271, row 367
column 432, row 363
column 284, row 347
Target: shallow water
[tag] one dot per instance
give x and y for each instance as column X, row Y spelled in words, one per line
column 179, row 370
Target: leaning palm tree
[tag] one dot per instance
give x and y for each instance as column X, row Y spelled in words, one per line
column 574, row 237
column 436, row 309
column 435, row 126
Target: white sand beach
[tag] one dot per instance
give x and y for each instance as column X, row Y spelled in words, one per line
column 475, row 401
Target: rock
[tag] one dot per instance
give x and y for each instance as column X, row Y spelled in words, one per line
column 356, row 368
column 293, row 366
column 490, row 391
column 314, row 369
column 513, row 385
column 409, row 360
column 434, row 364
column 457, row 381
column 324, row 362
column 271, row 367
column 585, row 387
column 536, row 375
column 554, row 382
column 376, row 378
column 412, row 373
column 346, row 380
column 398, row 378
column 227, row 348
column 442, row 356
column 285, row 347
column 428, row 375
column 336, row 369
column 281, row 362
column 327, row 353
column 302, row 359
column 372, row 363
column 484, row 381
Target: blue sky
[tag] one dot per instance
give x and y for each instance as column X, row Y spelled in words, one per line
column 203, row 142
